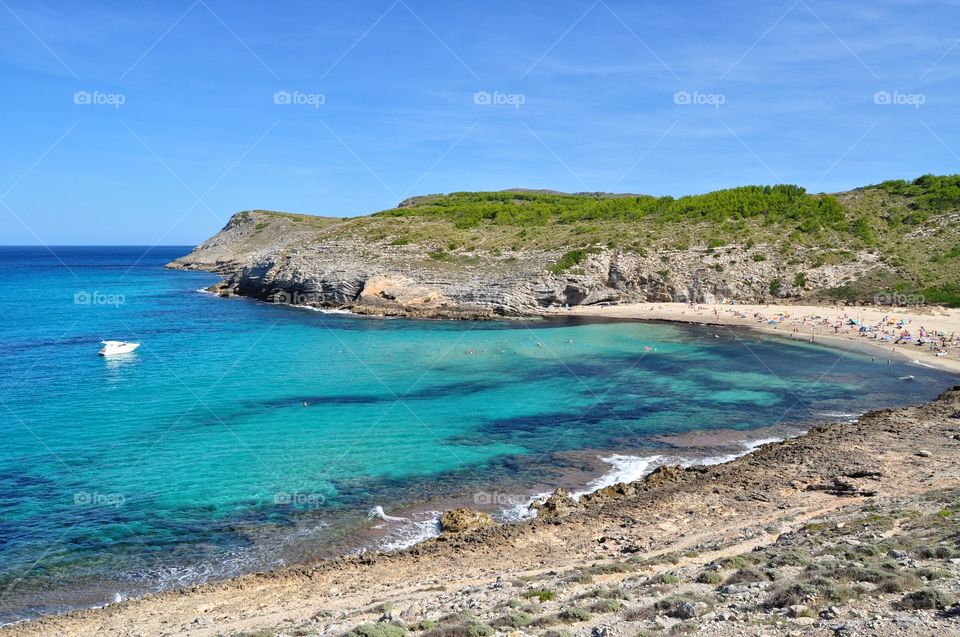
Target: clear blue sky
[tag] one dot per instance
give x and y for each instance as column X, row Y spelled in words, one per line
column 583, row 97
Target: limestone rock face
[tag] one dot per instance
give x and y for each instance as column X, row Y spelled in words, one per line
column 284, row 259
column 463, row 520
column 558, row 505
column 665, row 473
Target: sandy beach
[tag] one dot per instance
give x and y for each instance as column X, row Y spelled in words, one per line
column 929, row 335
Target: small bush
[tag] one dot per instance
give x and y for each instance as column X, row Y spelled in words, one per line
column 898, row 583
column 677, row 606
column 519, row 619
column 606, row 593
column 574, row 614
column 748, row 576
column 542, row 594
column 738, row 561
column 570, row 259
column 789, row 558
column 927, row 599
column 710, row 577
column 791, row 595
column 663, row 578
column 424, row 624
column 606, row 606
column 377, row 630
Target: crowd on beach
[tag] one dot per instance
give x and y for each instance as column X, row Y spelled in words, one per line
column 890, row 329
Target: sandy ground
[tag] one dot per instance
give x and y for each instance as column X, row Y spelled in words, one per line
column 830, row 325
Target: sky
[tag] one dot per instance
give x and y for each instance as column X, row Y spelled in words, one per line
column 150, row 123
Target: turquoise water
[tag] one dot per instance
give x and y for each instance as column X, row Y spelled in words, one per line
column 242, row 435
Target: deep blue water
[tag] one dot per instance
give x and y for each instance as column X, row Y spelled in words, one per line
column 197, row 456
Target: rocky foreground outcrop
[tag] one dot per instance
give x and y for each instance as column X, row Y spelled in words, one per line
column 463, row 520
column 330, row 263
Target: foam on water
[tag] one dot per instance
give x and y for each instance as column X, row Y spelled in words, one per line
column 625, row 469
column 415, row 529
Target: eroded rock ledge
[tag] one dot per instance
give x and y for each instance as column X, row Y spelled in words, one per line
column 284, row 259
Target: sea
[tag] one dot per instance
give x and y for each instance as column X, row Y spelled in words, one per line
column 243, row 436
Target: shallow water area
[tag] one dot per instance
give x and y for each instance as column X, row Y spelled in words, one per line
column 244, row 435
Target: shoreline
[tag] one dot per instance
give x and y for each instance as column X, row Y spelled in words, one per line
column 746, row 438
column 599, row 469
column 670, row 508
column 725, row 315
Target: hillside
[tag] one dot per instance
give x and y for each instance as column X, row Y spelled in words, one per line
column 518, row 252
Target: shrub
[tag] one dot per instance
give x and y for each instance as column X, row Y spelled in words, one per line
column 542, row 594
column 377, row 630
column 927, row 599
column 519, row 619
column 606, row 606
column 677, row 606
column 791, row 595
column 606, row 593
column 710, row 577
column 424, row 624
column 789, row 558
column 897, row 583
column 664, row 578
column 748, row 575
column 738, row 561
column 574, row 614
column 570, row 259
column 467, row 628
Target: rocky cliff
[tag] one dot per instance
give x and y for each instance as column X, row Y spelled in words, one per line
column 367, row 266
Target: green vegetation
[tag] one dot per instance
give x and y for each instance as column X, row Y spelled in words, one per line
column 515, row 620
column 570, row 259
column 925, row 599
column 542, row 594
column 775, row 204
column 663, row 578
column 573, row 615
column 377, row 630
column 710, row 577
column 929, row 193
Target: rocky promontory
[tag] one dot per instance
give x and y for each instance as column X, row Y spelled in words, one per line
column 519, row 253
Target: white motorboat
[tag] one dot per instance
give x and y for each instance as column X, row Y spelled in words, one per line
column 111, row 348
